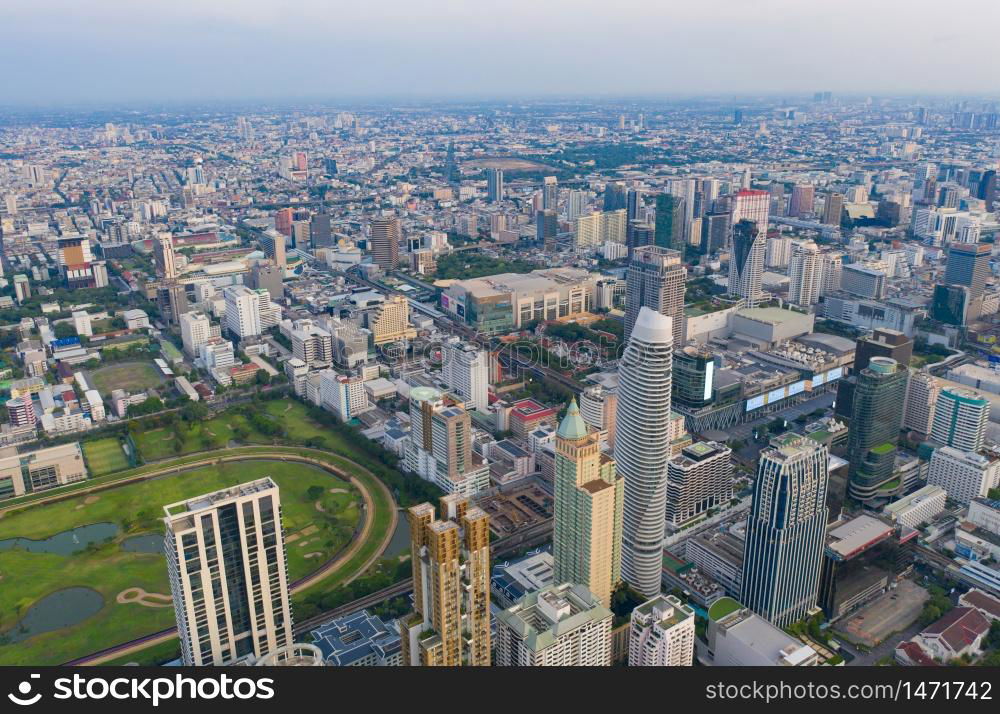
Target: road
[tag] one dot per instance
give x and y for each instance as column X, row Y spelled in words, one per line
column 299, row 585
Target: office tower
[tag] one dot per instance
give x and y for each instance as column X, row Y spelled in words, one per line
column 226, row 560
column 746, row 263
column 587, row 523
column 312, row 344
column 953, row 305
column 876, row 416
column 693, row 377
column 883, row 342
column 171, row 299
column 22, row 288
column 655, row 280
column 21, row 411
column 921, row 401
column 300, row 161
column 320, row 235
column 575, row 201
column 267, row 276
column 450, row 559
column 283, row 221
column 804, row 275
column 466, row 371
column 964, row 475
column 786, row 530
column 196, row 330
column 699, row 478
column 550, row 193
column 800, row 203
column 638, row 235
column 390, row 321
column 960, row 418
column 163, row 256
column 642, row 447
column 386, row 233
column 670, row 221
column 546, row 227
column 494, row 185
column 633, row 204
column 969, row 265
column 714, row 232
column 989, row 188
column 750, row 205
column 777, row 252
column 558, row 626
column 243, row 318
column 661, row 634
column 614, row 196
column 273, row 245
column 863, row 280
column 598, row 406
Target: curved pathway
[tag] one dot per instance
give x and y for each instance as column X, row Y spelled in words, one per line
column 328, row 461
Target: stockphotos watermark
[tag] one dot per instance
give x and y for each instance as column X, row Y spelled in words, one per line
column 144, row 689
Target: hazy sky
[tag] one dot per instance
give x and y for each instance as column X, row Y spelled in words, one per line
column 55, row 51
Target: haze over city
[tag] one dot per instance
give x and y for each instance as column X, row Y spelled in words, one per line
column 62, row 51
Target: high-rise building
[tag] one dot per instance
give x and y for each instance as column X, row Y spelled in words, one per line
column 883, row 342
column 633, row 204
column 587, row 524
column 614, row 196
column 746, row 263
column 786, row 529
column 661, row 634
column 964, row 475
column 969, row 265
column 876, row 416
column 960, row 418
column 642, row 447
column 831, row 269
column 777, row 252
column 171, row 299
column 550, row 193
column 244, row 310
column 196, row 330
column 655, row 279
column 832, row 208
column 163, row 256
column 575, row 201
column 390, row 321
column 715, row 232
column 865, row 281
column 22, row 288
column 386, row 234
column 227, row 565
column 670, row 223
column 804, row 274
column 698, row 479
column 440, row 449
column 466, row 371
column 800, row 203
column 598, row 406
column 546, row 228
column 265, row 275
column 283, row 221
column 273, row 245
column 320, row 235
column 450, row 558
column 494, row 185
column 921, row 400
column 693, row 377
column 558, row 626
column 751, row 205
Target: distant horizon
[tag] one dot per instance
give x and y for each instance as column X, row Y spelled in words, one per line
column 191, row 51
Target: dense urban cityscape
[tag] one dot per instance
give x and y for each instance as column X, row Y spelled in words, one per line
column 655, row 382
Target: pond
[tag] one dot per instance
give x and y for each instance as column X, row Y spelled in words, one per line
column 144, row 543
column 400, row 542
column 66, row 542
column 60, row 609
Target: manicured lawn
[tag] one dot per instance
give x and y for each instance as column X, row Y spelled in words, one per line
column 135, row 508
column 104, row 456
column 216, row 433
column 130, row 376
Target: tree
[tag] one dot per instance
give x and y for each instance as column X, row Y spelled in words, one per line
column 313, row 493
column 62, row 330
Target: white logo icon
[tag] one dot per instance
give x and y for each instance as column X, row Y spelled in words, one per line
column 24, row 688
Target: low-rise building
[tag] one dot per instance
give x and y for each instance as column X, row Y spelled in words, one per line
column 40, row 470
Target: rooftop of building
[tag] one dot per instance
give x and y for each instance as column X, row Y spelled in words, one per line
column 857, row 535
